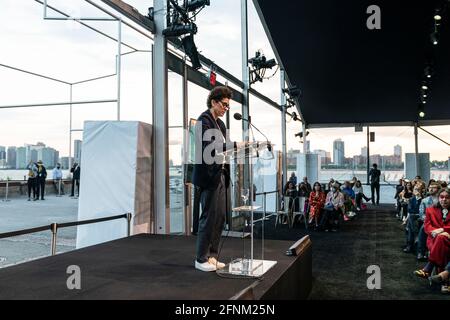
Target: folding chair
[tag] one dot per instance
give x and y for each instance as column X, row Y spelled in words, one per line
column 301, row 212
column 286, row 212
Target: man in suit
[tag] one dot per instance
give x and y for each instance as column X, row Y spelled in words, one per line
column 75, row 170
column 374, row 175
column 212, row 176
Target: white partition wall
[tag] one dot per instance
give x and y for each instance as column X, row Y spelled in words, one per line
column 308, row 165
column 115, row 179
column 423, row 166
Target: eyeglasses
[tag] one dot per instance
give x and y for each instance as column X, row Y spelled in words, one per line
column 224, row 105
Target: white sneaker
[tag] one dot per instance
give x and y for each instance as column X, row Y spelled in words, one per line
column 444, row 289
column 205, row 266
column 217, row 264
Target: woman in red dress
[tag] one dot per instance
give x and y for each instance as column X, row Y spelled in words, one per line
column 316, row 202
column 437, row 227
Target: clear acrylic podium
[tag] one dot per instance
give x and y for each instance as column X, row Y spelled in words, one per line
column 251, row 263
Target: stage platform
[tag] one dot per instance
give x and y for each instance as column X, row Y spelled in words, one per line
column 155, row 267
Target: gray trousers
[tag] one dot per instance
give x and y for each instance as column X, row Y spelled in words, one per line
column 211, row 221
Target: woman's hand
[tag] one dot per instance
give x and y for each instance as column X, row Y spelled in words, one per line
column 436, row 232
column 444, row 234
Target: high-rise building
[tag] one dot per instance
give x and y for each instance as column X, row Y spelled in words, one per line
column 21, row 158
column 56, row 159
column 65, row 162
column 47, row 155
column 77, row 144
column 364, row 151
column 325, row 157
column 2, row 153
column 338, row 152
column 398, row 151
column 11, row 156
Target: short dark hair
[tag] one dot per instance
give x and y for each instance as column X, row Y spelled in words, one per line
column 217, row 94
column 375, row 165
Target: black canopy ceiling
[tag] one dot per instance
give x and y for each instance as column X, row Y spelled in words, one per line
column 349, row 74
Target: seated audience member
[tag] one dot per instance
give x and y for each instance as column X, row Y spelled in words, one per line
column 349, row 197
column 428, row 202
column 303, row 190
column 437, row 227
column 292, row 193
column 442, row 279
column 329, row 185
column 359, row 194
column 398, row 189
column 413, row 215
column 353, row 182
column 405, row 195
column 307, row 184
column 316, row 202
column 334, row 206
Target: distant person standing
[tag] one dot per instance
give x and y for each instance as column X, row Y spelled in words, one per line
column 31, row 183
column 41, row 176
column 75, row 179
column 374, row 175
column 293, row 178
column 57, row 179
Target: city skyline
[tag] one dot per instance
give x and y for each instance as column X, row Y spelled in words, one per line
column 18, row 157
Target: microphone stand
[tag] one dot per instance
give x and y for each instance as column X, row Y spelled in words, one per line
column 269, row 147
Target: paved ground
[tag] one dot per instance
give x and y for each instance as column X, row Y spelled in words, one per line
column 22, row 214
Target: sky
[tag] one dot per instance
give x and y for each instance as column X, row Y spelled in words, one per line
column 70, row 52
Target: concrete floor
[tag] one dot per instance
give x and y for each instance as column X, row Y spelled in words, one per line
column 20, row 214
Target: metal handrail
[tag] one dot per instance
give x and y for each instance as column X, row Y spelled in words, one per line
column 55, row 226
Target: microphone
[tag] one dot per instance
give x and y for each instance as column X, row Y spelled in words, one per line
column 239, row 117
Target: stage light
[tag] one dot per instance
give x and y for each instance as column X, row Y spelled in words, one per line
column 193, row 5
column 434, row 38
column 300, row 134
column 260, row 62
column 178, row 30
column 421, row 111
column 428, row 72
column 191, row 50
column 437, row 15
column 424, row 87
column 294, row 91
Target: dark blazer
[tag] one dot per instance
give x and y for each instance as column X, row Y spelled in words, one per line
column 207, row 176
column 76, row 172
column 42, row 174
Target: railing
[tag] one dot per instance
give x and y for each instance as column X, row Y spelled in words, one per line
column 55, row 226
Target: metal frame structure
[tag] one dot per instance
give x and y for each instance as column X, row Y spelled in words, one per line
column 167, row 55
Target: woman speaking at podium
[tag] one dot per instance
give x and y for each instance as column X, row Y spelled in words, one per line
column 212, row 175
